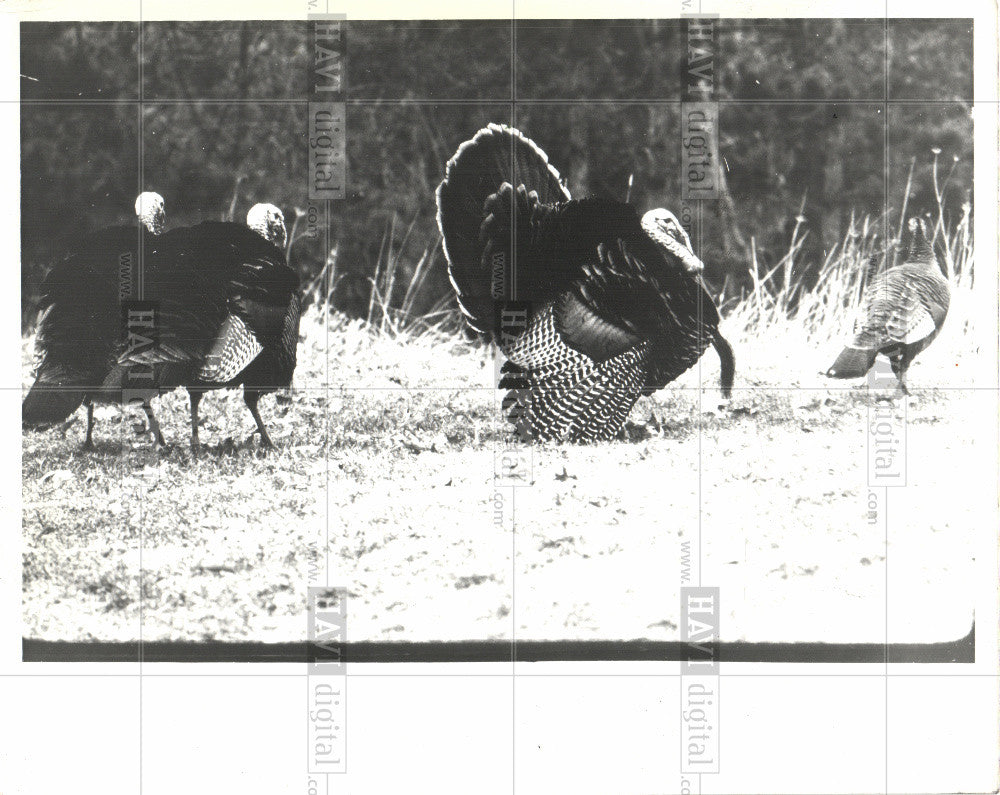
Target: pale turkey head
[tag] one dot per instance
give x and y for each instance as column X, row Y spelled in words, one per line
column 917, row 224
column 149, row 209
column 268, row 222
column 666, row 231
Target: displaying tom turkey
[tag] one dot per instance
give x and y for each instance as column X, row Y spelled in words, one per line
column 591, row 305
column 80, row 334
column 902, row 311
column 229, row 311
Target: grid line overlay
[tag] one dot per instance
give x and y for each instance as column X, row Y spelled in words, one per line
column 327, row 388
column 377, row 102
column 139, row 231
column 885, row 215
column 513, row 489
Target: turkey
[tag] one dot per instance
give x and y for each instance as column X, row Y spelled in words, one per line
column 80, row 330
column 591, row 305
column 902, row 312
column 229, row 311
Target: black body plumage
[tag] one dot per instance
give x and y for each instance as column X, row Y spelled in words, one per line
column 81, row 331
column 228, row 314
column 225, row 312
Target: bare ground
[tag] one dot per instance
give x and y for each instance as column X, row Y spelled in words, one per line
column 394, row 463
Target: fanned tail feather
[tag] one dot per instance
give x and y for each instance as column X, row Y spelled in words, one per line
column 495, row 155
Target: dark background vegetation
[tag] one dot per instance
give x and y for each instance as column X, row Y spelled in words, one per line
column 823, row 115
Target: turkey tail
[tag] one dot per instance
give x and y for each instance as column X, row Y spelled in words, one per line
column 727, row 360
column 49, row 401
column 852, row 363
column 568, row 406
column 496, row 155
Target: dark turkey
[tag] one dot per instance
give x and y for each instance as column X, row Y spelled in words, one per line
column 592, row 305
column 81, row 332
column 229, row 310
column 903, row 309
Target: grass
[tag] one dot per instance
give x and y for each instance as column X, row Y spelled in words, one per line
column 388, row 443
